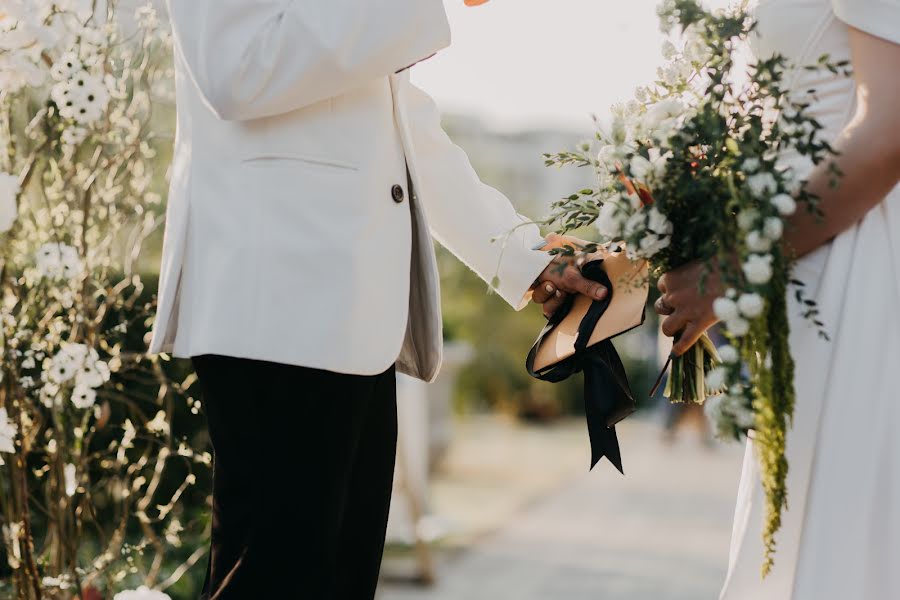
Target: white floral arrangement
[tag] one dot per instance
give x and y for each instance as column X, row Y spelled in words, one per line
column 86, row 443
column 692, row 170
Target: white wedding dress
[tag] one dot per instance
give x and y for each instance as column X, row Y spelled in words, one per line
column 840, row 538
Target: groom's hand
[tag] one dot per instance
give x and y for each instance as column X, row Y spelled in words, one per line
column 563, row 276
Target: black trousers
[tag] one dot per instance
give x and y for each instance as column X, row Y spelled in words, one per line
column 303, row 467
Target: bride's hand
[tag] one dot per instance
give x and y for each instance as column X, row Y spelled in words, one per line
column 688, row 312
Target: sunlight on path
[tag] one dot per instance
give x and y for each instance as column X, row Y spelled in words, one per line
column 660, row 533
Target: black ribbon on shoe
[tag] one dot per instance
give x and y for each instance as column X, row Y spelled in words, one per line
column 607, row 394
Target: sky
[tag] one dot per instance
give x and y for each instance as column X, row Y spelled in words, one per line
column 521, row 64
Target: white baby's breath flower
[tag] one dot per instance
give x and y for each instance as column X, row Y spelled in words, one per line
column 784, row 204
column 668, row 50
column 729, row 354
column 751, row 305
column 142, row 593
column 762, row 184
column 758, row 268
column 773, row 228
column 738, row 327
column 757, row 242
column 9, row 192
column 725, row 309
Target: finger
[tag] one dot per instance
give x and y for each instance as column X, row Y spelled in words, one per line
column 577, row 284
column 661, row 284
column 689, row 337
column 553, row 304
column 662, row 308
column 543, row 292
column 674, row 324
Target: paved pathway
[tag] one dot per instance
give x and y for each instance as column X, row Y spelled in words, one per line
column 660, row 533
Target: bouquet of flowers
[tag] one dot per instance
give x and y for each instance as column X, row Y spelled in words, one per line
column 86, row 440
column 691, row 170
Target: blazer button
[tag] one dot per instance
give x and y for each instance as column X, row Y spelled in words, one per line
column 397, row 193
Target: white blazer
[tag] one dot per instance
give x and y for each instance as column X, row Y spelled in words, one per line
column 291, row 233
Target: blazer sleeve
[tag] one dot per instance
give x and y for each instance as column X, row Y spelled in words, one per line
column 258, row 58
column 471, row 219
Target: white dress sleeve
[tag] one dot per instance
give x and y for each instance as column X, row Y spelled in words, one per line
column 880, row 18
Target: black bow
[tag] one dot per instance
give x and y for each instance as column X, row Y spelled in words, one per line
column 607, row 395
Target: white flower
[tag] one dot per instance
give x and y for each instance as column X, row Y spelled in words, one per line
column 758, row 268
column 83, row 98
column 83, row 396
column 651, row 244
column 70, row 361
column 9, row 191
column 71, row 477
column 668, row 50
column 757, row 242
column 751, row 165
column 142, row 593
column 651, row 170
column 785, row 204
column 729, row 354
column 762, row 184
column 738, row 326
column 726, row 309
column 715, row 379
column 751, row 305
column 7, row 433
column 66, row 67
column 773, row 228
column 72, row 136
column 610, row 220
column 636, row 224
column 658, row 223
column 56, row 261
column 93, row 372
column 747, row 218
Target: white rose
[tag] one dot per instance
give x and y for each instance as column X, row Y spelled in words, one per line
column 737, row 327
column 726, row 309
column 762, row 184
column 757, row 242
column 784, row 204
column 9, row 191
column 773, row 228
column 729, row 354
column 758, row 268
column 715, row 379
column 751, row 305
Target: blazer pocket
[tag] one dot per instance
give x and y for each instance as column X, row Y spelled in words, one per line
column 280, row 159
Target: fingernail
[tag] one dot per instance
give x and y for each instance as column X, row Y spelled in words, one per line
column 558, row 294
column 601, row 293
column 549, row 288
